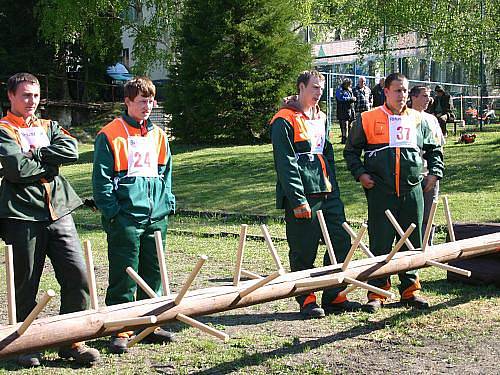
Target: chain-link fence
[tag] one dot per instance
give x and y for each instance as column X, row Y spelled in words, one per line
column 466, row 98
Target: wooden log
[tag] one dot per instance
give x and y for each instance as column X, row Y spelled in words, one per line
column 362, row 245
column 428, row 227
column 250, row 275
column 202, row 327
column 47, row 296
column 89, row 262
column 369, row 287
column 190, row 279
column 130, row 322
column 449, row 222
column 141, row 283
column 162, row 264
column 398, row 228
column 401, row 241
column 260, row 283
column 272, row 249
column 354, row 246
column 320, row 282
column 326, row 237
column 447, row 267
column 85, row 325
column 11, row 288
column 239, row 254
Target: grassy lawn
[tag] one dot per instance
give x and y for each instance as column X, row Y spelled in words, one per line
column 460, row 333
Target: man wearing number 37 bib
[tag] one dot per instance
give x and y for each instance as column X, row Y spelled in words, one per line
column 392, row 137
column 133, row 190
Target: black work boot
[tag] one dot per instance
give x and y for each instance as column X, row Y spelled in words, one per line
column 159, row 336
column 416, row 302
column 312, row 311
column 372, row 306
column 81, row 353
column 118, row 343
column 28, row 360
column 342, row 307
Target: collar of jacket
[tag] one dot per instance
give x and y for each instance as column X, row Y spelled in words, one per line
column 19, row 121
column 129, row 120
column 292, row 102
column 404, row 111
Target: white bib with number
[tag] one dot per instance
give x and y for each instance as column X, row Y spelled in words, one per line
column 33, row 137
column 142, row 155
column 402, row 132
column 317, row 135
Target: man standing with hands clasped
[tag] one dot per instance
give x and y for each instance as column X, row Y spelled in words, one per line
column 392, row 137
column 35, row 210
column 306, row 183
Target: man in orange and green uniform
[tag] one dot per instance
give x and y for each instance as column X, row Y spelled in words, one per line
column 133, row 190
column 306, row 183
column 36, row 203
column 392, row 137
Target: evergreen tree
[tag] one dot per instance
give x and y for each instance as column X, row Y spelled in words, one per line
column 229, row 77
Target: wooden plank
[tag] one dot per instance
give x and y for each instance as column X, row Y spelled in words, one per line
column 326, row 236
column 428, row 228
column 449, row 222
column 162, row 264
column 47, row 296
column 89, row 262
column 11, row 288
column 272, row 249
column 400, row 243
column 239, row 254
column 190, row 279
column 354, row 246
column 398, row 228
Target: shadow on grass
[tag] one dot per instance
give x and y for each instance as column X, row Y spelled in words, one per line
column 297, row 347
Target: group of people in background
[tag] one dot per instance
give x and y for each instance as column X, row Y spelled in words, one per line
column 351, row 102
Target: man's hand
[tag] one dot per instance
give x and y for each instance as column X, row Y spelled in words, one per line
column 302, row 212
column 367, row 181
column 429, row 182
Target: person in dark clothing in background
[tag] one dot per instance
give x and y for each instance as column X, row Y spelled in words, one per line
column 378, row 93
column 442, row 108
column 345, row 107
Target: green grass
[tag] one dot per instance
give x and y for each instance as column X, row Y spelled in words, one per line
column 242, row 179
column 460, row 334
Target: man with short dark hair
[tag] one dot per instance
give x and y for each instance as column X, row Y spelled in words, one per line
column 132, row 184
column 35, row 209
column 442, row 108
column 306, row 183
column 391, row 138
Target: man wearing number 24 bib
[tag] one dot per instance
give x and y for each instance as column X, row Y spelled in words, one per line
column 391, row 137
column 133, row 190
